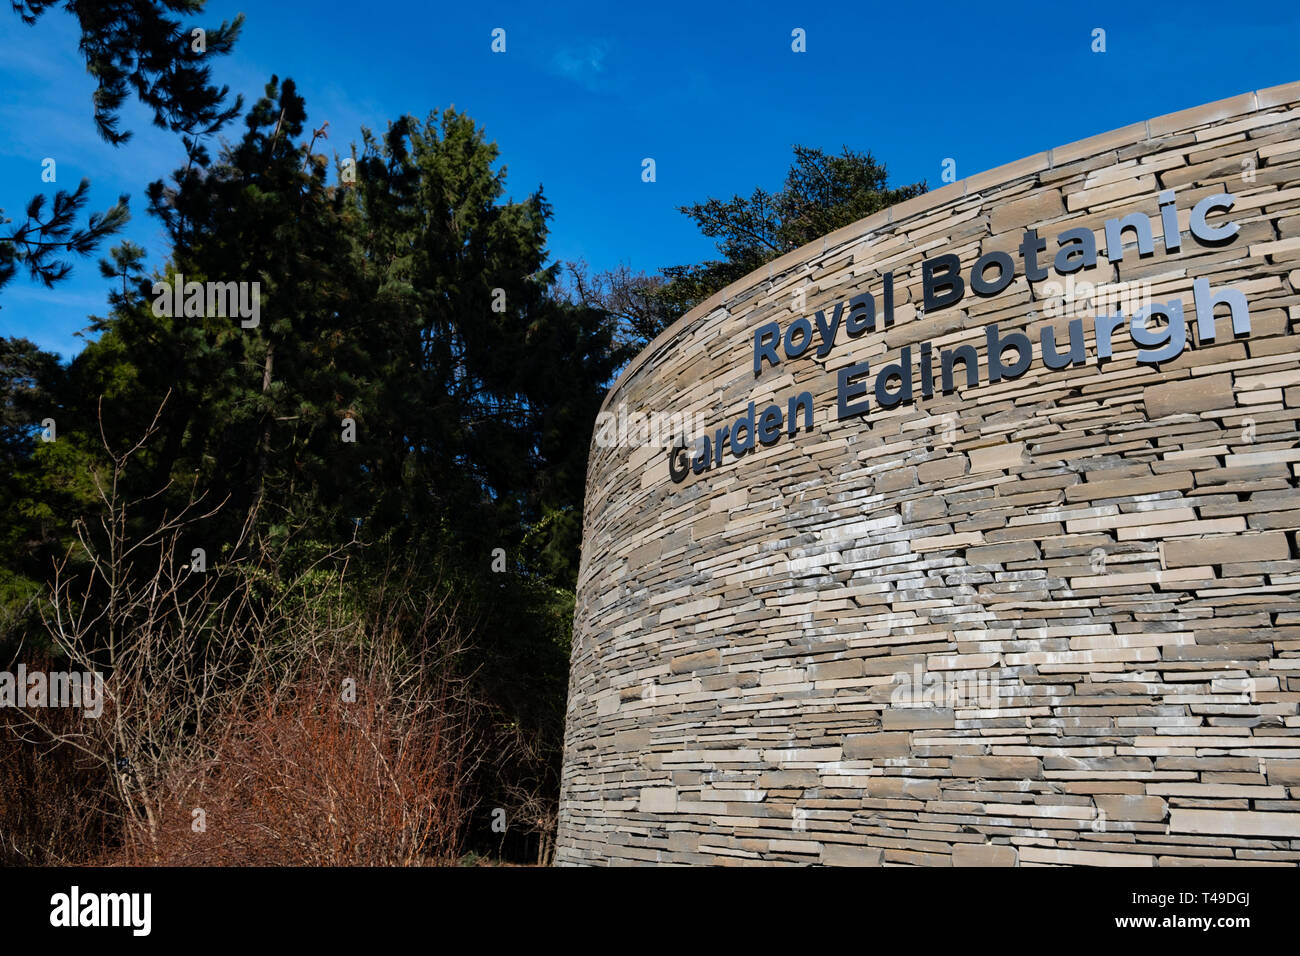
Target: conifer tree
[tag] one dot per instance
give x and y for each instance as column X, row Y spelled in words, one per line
column 129, row 46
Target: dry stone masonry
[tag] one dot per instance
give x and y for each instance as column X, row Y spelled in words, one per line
column 1048, row 618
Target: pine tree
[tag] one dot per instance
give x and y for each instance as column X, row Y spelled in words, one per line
column 129, row 46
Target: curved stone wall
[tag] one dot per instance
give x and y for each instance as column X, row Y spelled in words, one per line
column 1049, row 617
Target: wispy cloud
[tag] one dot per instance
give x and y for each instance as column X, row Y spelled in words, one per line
column 583, row 63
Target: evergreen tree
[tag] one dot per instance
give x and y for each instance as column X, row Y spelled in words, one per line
column 128, row 45
column 821, row 194
column 413, row 303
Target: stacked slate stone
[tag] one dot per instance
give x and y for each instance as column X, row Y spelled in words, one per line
column 1054, row 620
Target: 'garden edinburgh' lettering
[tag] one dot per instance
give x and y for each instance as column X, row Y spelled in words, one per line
column 1158, row 329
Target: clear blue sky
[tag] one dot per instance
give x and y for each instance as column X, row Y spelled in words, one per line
column 585, row 91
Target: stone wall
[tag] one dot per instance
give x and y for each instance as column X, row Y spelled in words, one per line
column 1086, row 578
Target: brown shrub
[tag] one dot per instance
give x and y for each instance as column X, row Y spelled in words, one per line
column 52, row 806
column 314, row 780
column 224, row 693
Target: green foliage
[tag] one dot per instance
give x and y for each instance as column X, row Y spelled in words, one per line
column 129, row 45
column 419, row 304
column 26, row 377
column 42, row 483
column 39, row 240
column 821, row 194
column 133, row 45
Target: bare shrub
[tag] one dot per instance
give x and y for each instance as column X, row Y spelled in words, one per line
column 532, row 799
column 312, row 780
column 225, row 692
column 51, row 804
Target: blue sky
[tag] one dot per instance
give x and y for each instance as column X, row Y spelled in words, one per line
column 585, row 91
